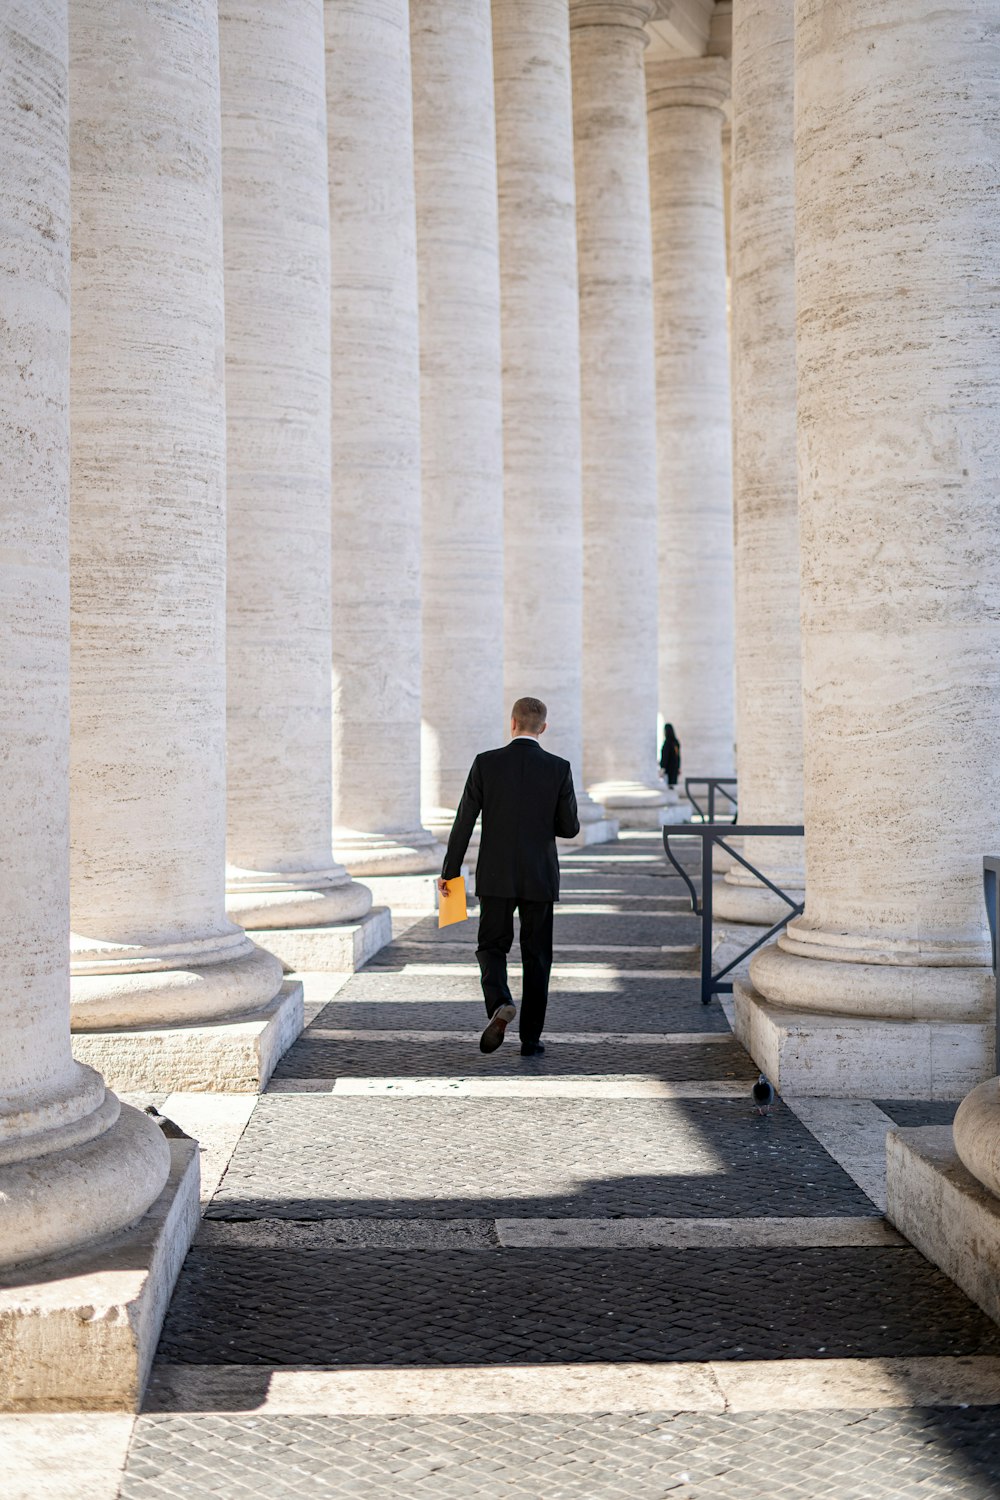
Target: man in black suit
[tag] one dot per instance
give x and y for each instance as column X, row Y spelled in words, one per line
column 526, row 798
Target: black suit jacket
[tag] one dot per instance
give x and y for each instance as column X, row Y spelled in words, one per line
column 526, row 798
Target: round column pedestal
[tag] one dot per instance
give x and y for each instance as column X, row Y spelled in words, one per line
column 187, row 984
column 891, row 990
column 316, row 898
column 976, row 1133
column 417, row 852
column 86, row 1179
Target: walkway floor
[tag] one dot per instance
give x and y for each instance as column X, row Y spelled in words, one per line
column 595, row 1274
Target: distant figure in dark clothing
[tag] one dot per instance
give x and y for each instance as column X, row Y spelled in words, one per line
column 670, row 755
column 527, row 800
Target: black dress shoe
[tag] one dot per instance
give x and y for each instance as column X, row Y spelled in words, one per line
column 494, row 1033
column 532, row 1049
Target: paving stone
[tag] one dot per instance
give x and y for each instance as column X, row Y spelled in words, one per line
column 315, row 1156
column 453, row 1005
column 393, row 1307
column 316, row 1056
column 919, row 1111
column 628, row 927
column 398, row 955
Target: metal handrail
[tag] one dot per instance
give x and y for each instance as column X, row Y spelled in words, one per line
column 714, row 784
column 710, row 835
column 991, row 891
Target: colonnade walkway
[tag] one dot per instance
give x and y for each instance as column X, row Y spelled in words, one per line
column 598, row 1273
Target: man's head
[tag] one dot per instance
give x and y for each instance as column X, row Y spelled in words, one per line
column 528, row 717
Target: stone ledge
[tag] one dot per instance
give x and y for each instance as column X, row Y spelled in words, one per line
column 405, row 892
column 603, row 831
column 329, row 950
column 814, row 1054
column 225, row 1057
column 79, row 1332
column 941, row 1208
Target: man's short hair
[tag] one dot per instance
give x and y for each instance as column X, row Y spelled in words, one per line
column 529, row 714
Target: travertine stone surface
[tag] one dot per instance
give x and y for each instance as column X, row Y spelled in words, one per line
column 148, row 541
column 897, row 172
column 685, row 101
column 540, row 325
column 82, row 1336
column 949, row 1216
column 72, row 1166
column 768, row 640
column 376, row 443
column 618, row 408
column 459, row 281
column 277, row 288
column 977, row 1134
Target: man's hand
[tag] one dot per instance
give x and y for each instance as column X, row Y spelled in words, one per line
column 443, row 887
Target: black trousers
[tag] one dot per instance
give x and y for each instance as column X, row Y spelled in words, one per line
column 496, row 934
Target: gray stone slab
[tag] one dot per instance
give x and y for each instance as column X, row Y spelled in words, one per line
column 402, row 954
column 849, row 1455
column 532, row 1306
column 308, row 1156
column 350, row 1234
column 909, row 1112
column 317, row 1056
column 651, row 1012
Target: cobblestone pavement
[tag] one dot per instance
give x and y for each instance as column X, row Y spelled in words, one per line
column 853, row 1455
column 450, row 1311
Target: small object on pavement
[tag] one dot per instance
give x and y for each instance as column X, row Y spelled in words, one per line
column 169, row 1127
column 763, row 1095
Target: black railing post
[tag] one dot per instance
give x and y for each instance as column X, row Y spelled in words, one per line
column 710, row 835
column 991, row 890
column 707, row 846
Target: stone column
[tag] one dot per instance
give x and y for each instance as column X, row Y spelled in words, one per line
column 277, row 268
column 376, row 443
column 768, row 637
column 693, row 420
column 152, row 941
column 75, row 1165
column 618, row 410
column 459, row 279
column 540, row 318
column 896, row 163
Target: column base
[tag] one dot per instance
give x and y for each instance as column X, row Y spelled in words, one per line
column 851, row 1057
column 601, row 831
column 236, row 1056
column 330, row 950
column 262, row 910
column 373, row 856
column 79, row 1331
column 406, row 892
column 941, row 1209
column 175, row 992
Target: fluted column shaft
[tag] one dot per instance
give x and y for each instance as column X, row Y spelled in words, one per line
column 768, row 636
column 899, row 384
column 459, row 278
column 74, row 1165
column 376, row 442
column 693, row 418
column 277, row 285
column 540, row 324
column 148, row 539
column 618, row 412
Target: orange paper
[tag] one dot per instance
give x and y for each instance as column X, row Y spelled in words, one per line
column 451, row 908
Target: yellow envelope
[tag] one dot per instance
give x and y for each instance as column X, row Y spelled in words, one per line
column 451, row 908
